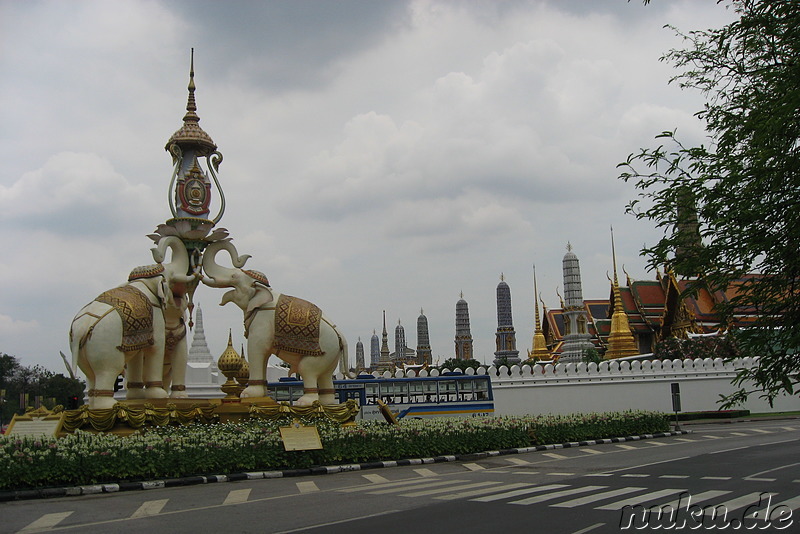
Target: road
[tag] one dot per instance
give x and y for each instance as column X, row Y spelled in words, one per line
column 747, row 467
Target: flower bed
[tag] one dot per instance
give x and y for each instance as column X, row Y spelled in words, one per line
column 166, row 452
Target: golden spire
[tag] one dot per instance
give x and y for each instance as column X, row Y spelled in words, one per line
column 191, row 133
column 620, row 340
column 539, row 344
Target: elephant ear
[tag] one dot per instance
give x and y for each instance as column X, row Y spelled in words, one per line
column 262, row 297
column 228, row 297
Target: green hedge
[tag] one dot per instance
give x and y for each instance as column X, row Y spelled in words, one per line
column 166, row 452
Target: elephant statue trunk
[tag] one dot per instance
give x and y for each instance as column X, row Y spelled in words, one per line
column 314, row 354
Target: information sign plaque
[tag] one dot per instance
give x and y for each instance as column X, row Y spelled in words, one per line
column 300, row 438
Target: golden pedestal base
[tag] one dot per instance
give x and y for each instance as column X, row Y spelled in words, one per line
column 127, row 417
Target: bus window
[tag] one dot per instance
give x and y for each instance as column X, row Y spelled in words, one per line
column 466, row 389
column 447, row 390
column 371, row 392
column 416, row 393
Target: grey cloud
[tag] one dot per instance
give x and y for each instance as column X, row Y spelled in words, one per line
column 284, row 46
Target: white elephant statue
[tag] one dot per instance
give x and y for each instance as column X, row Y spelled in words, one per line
column 176, row 352
column 294, row 330
column 130, row 324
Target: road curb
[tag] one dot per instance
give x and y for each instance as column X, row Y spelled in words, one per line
column 74, row 491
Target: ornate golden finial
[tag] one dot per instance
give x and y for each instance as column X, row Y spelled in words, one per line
column 614, row 257
column 229, row 364
column 627, row 276
column 620, row 340
column 462, row 294
column 191, row 132
column 539, row 344
column 569, row 246
column 191, row 105
column 421, row 312
column 502, row 277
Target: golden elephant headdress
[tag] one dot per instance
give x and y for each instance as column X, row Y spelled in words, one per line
column 146, row 271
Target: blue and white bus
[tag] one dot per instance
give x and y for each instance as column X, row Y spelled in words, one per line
column 448, row 395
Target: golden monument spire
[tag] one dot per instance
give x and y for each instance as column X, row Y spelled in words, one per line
column 539, row 344
column 620, row 340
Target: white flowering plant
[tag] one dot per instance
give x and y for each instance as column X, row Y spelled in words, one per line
column 198, row 449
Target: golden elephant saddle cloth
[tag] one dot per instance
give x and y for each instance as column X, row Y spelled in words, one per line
column 297, row 326
column 136, row 312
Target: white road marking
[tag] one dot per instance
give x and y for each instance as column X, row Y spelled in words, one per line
column 415, row 482
column 515, row 493
column 674, row 476
column 693, row 499
column 649, row 464
column 636, row 475
column 734, row 504
column 559, row 474
column 307, row 487
column 517, row 461
column 474, row 467
column 590, row 451
column 789, row 428
column 716, row 478
column 627, row 447
column 641, row 499
column 149, row 508
column 794, row 503
column 47, row 521
column 482, row 491
column 556, row 495
column 754, row 479
column 686, row 440
column 711, row 437
column 656, row 443
column 760, row 431
column 554, row 455
column 598, row 474
column 423, row 472
column 237, row 496
column 423, row 484
column 427, row 492
column 597, row 497
column 730, row 450
column 375, row 479
column 739, row 434
column 754, row 475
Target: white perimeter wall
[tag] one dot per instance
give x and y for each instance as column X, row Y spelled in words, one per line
column 615, row 386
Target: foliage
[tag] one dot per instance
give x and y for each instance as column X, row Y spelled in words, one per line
column 592, row 355
column 730, row 208
column 18, row 380
column 87, row 458
column 724, row 347
column 453, row 364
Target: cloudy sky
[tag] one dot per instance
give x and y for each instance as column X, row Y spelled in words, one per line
column 378, row 155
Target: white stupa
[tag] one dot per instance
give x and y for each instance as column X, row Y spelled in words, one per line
column 203, row 378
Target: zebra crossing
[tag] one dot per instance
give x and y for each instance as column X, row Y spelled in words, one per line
column 565, row 495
